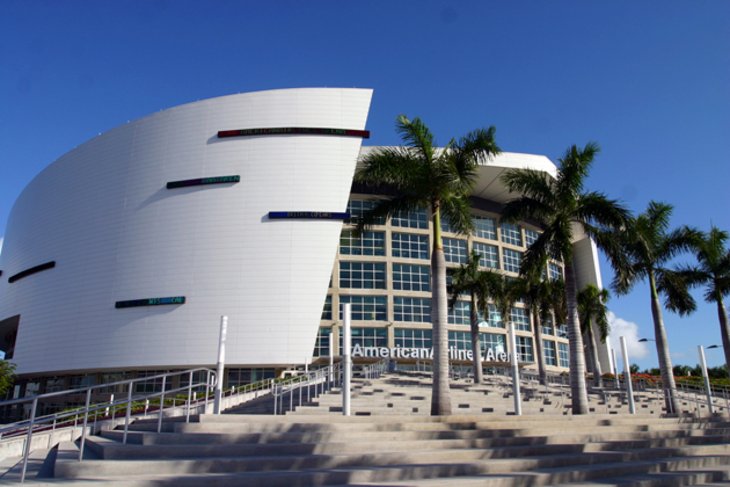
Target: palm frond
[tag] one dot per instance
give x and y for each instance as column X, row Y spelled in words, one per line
column 533, row 184
column 573, row 169
column 416, row 134
column 676, row 292
column 595, row 208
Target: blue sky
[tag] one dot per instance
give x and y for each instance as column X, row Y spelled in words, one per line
column 649, row 81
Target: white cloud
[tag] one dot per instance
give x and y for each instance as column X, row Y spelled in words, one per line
column 630, row 330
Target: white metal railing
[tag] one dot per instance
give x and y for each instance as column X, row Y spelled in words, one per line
column 176, row 389
column 311, row 384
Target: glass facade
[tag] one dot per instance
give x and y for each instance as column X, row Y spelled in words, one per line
column 410, row 245
column 412, row 309
column 362, row 275
column 388, row 271
column 369, row 243
column 548, row 353
column 410, row 277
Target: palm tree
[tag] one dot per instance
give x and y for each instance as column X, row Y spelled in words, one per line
column 422, row 175
column 647, row 246
column 560, row 205
column 592, row 311
column 713, row 271
column 536, row 293
column 467, row 278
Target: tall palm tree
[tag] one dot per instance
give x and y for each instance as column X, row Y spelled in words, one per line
column 468, row 279
column 560, row 205
column 422, row 175
column 592, row 311
column 647, row 246
column 713, row 271
column 536, row 293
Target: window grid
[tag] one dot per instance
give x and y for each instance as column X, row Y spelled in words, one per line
column 366, row 337
column 408, row 277
column 495, row 317
column 412, row 338
column 327, row 310
column 488, row 255
column 322, row 344
column 410, row 219
column 563, row 358
column 561, row 330
column 409, row 245
column 495, row 341
column 530, row 236
column 555, row 271
column 459, row 314
column 357, row 208
column 520, row 318
column 446, row 224
column 408, row 309
column 362, row 275
column 524, row 349
column 511, row 234
column 369, row 243
column 548, row 352
column 547, row 325
column 511, row 260
column 460, row 340
column 366, row 308
column 455, row 250
column 485, row 227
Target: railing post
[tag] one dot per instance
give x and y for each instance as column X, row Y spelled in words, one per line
column 207, row 390
column 28, row 438
column 162, row 403
column 129, row 412
column 273, row 393
column 221, row 365
column 190, row 395
column 86, row 422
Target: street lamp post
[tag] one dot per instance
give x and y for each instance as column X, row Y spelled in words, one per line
column 706, row 377
column 627, row 371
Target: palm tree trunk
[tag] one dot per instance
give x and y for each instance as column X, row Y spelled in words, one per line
column 592, row 352
column 537, row 326
column 724, row 330
column 440, row 397
column 662, row 349
column 579, row 394
column 475, row 349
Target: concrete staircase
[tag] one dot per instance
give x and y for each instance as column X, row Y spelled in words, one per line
column 410, row 393
column 391, row 441
column 408, row 450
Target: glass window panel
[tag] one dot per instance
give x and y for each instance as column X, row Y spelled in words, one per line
column 455, row 250
column 366, row 308
column 530, row 236
column 524, row 349
column 511, row 234
column 563, row 359
column 511, row 260
column 409, row 277
column 548, row 349
column 412, row 338
column 322, row 344
column 357, row 208
column 410, row 245
column 412, row 309
column 459, row 314
column 521, row 319
column 484, row 227
column 369, row 243
column 362, row 275
column 410, row 219
column 327, row 310
column 488, row 255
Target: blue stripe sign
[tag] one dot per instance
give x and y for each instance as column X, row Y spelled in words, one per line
column 309, row 215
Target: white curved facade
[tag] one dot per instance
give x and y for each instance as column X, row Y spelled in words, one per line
column 103, row 214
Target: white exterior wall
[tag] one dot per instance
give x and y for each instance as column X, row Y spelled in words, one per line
column 102, row 212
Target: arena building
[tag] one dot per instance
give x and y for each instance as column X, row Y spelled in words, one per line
column 120, row 257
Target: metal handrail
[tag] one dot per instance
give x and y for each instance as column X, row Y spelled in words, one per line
column 321, row 380
column 40, row 423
